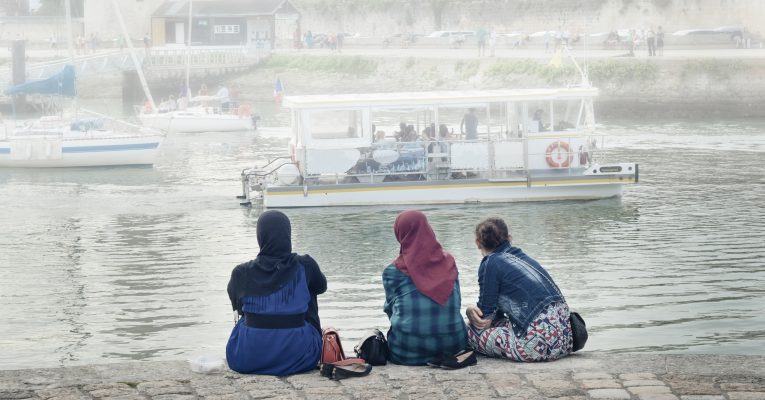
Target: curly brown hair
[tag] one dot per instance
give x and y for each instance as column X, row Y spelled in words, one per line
column 491, row 232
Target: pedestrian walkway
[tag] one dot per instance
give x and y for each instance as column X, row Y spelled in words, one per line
column 582, row 376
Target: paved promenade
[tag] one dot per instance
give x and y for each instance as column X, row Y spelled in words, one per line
column 582, row 376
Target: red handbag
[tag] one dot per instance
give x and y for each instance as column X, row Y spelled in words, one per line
column 331, row 349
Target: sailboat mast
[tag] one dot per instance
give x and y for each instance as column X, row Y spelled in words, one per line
column 69, row 30
column 138, row 67
column 188, row 56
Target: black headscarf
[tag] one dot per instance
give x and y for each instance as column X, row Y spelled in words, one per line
column 275, row 264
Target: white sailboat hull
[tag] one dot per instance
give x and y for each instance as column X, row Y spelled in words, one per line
column 190, row 122
column 413, row 193
column 31, row 152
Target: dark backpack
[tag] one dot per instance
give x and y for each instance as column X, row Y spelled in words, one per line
column 373, row 348
column 578, row 331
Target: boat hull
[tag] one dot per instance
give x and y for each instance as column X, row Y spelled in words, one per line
column 451, row 192
column 195, row 123
column 49, row 153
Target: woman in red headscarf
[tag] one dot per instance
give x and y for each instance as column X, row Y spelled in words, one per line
column 422, row 296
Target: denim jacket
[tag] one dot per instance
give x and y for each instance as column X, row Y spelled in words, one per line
column 514, row 284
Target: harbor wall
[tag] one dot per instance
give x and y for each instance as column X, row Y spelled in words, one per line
column 628, row 87
column 386, row 17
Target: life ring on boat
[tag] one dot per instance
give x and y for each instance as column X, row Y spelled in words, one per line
column 556, row 152
column 244, row 111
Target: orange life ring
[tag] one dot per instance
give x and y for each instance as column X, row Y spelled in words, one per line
column 556, row 152
column 244, row 111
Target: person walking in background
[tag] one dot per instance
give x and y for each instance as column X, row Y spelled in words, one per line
column 521, row 314
column 660, row 41
column 469, row 125
column 651, row 42
column 422, row 295
column 278, row 331
column 309, row 40
column 339, row 40
column 481, row 36
column 296, row 44
column 492, row 43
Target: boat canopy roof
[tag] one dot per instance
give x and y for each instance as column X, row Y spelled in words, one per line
column 62, row 84
column 435, row 98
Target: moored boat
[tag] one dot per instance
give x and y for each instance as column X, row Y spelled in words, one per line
column 80, row 138
column 532, row 145
column 203, row 115
column 78, row 142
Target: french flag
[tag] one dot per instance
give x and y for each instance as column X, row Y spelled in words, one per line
column 278, row 90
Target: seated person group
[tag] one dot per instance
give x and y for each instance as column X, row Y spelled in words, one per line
column 520, row 315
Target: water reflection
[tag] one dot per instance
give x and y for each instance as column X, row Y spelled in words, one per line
column 132, row 263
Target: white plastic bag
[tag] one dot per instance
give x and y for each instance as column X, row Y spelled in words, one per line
column 206, row 364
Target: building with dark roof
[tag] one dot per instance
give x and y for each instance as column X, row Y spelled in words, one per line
column 254, row 23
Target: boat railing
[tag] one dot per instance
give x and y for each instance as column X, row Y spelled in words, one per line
column 129, row 128
column 508, row 158
column 252, row 178
column 201, row 57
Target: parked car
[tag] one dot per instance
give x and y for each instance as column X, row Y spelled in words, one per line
column 449, row 34
column 402, row 40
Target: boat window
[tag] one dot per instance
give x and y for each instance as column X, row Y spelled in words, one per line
column 537, row 118
column 566, row 114
column 402, row 124
column 463, row 122
column 331, row 124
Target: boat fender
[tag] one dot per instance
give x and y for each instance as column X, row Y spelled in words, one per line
column 560, row 149
column 244, row 111
column 292, row 151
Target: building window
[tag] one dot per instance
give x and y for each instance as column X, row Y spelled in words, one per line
column 226, row 29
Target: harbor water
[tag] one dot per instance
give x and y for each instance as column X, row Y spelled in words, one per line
column 131, row 263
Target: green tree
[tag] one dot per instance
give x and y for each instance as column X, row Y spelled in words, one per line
column 14, row 7
column 56, row 7
column 438, row 7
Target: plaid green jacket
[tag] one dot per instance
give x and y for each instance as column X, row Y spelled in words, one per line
column 420, row 328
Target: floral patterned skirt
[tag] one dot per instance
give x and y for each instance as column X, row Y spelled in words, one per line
column 547, row 338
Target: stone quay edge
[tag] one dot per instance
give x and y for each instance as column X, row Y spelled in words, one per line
column 586, row 375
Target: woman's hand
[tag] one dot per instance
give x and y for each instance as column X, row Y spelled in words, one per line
column 474, row 315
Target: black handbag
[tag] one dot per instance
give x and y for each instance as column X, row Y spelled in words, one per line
column 373, row 348
column 578, row 330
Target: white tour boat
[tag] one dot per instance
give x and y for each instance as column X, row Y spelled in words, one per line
column 535, row 144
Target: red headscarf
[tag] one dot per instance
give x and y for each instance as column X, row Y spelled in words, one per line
column 422, row 258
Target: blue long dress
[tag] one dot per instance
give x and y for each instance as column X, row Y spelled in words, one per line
column 276, row 351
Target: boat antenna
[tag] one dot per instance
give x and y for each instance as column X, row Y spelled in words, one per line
column 70, row 46
column 131, row 50
column 188, row 56
column 70, row 38
column 585, row 80
column 586, row 77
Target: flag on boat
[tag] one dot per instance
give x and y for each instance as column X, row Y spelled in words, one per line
column 557, row 59
column 278, row 90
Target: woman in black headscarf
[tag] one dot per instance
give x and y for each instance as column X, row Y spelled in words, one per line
column 278, row 332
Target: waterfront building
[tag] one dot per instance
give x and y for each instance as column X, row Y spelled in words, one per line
column 225, row 23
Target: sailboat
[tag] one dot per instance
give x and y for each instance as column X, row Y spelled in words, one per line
column 82, row 138
column 202, row 114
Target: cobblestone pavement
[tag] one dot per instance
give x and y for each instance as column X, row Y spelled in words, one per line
column 582, row 376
